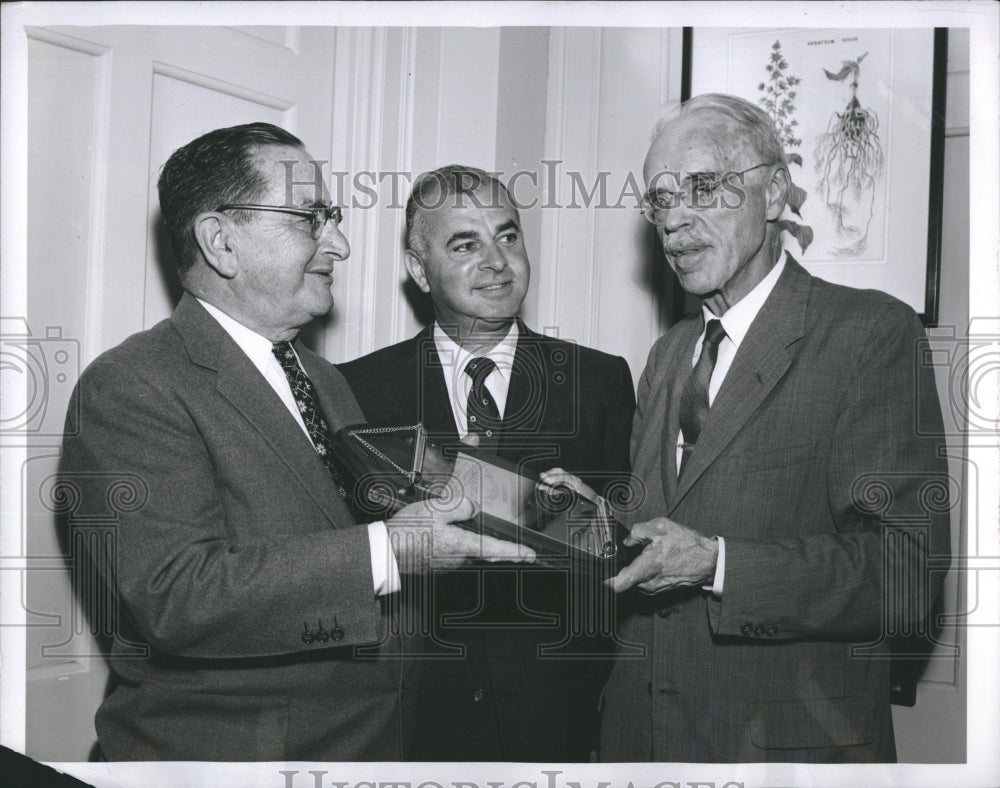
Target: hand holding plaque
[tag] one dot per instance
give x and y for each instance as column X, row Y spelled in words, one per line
column 425, row 535
column 388, row 468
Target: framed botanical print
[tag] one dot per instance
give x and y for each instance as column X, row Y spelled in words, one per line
column 861, row 115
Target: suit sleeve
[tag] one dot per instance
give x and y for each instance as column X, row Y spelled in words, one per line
column 189, row 586
column 888, row 502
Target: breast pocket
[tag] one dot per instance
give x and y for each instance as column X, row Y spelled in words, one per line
column 767, row 488
column 768, row 457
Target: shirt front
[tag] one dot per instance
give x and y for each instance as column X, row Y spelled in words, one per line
column 736, row 322
column 385, row 571
column 454, row 360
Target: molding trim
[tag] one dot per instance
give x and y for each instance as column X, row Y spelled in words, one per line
column 220, row 86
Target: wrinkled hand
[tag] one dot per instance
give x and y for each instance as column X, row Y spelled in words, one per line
column 423, row 538
column 674, row 556
column 551, row 480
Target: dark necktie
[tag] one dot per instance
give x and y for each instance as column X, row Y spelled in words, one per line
column 694, row 398
column 308, row 404
column 483, row 415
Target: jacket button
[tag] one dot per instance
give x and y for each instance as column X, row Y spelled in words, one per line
column 746, row 630
column 337, row 634
column 665, row 612
column 772, row 631
column 478, row 695
column 758, row 631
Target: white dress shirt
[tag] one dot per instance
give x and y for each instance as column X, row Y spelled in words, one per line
column 454, row 359
column 385, row 571
column 736, row 321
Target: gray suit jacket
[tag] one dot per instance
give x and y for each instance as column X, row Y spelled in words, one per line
column 230, row 542
column 811, row 467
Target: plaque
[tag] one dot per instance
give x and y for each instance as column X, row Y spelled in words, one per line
column 386, row 468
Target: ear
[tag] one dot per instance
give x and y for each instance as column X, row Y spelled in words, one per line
column 777, row 193
column 415, row 267
column 213, row 232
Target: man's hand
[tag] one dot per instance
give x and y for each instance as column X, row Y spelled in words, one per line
column 551, row 480
column 423, row 538
column 674, row 556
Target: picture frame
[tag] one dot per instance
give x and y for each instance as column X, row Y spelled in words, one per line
column 860, row 112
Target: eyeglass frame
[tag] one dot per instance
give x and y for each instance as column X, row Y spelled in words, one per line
column 648, row 211
column 328, row 212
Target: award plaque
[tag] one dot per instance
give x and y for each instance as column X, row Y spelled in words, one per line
column 386, row 468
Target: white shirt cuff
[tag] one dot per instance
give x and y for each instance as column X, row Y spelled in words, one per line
column 385, row 572
column 720, row 569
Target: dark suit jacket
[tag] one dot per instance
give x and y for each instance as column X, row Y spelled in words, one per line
column 230, row 540
column 811, row 467
column 567, row 406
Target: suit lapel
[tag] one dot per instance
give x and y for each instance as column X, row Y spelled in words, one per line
column 237, row 380
column 422, row 366
column 528, row 393
column 762, row 360
column 678, row 372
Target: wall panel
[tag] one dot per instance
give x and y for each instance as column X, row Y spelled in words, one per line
column 602, row 283
column 68, row 91
column 185, row 105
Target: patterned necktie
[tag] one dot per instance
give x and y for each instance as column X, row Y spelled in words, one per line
column 308, row 404
column 694, row 398
column 483, row 415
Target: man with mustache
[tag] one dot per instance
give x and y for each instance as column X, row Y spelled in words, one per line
column 265, row 609
column 789, row 511
column 524, row 686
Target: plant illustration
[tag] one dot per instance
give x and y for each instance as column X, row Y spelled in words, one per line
column 849, row 160
column 779, row 97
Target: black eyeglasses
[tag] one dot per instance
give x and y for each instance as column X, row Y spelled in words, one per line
column 697, row 192
column 319, row 215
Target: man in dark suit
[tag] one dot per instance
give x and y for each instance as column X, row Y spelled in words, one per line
column 525, row 684
column 236, row 560
column 782, row 421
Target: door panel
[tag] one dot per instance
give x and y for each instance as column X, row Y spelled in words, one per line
column 107, row 106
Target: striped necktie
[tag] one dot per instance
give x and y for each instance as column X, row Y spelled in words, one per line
column 694, row 398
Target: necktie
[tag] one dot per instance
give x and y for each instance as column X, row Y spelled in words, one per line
column 483, row 415
column 308, row 404
column 694, row 398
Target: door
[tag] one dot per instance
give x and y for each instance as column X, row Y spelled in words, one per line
column 106, row 107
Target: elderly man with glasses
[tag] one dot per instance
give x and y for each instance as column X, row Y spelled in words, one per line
column 261, row 608
column 795, row 493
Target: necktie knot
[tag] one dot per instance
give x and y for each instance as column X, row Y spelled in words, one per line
column 284, row 353
column 714, row 333
column 479, row 369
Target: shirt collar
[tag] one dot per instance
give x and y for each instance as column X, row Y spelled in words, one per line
column 740, row 315
column 454, row 357
column 256, row 346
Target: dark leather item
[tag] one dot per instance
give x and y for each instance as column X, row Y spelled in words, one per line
column 387, row 467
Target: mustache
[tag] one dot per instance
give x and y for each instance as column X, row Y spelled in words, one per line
column 676, row 246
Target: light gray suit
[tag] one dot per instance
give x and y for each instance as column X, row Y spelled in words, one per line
column 234, row 544
column 811, row 467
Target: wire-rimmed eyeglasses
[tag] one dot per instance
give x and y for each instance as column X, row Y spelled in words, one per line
column 698, row 192
column 319, row 215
